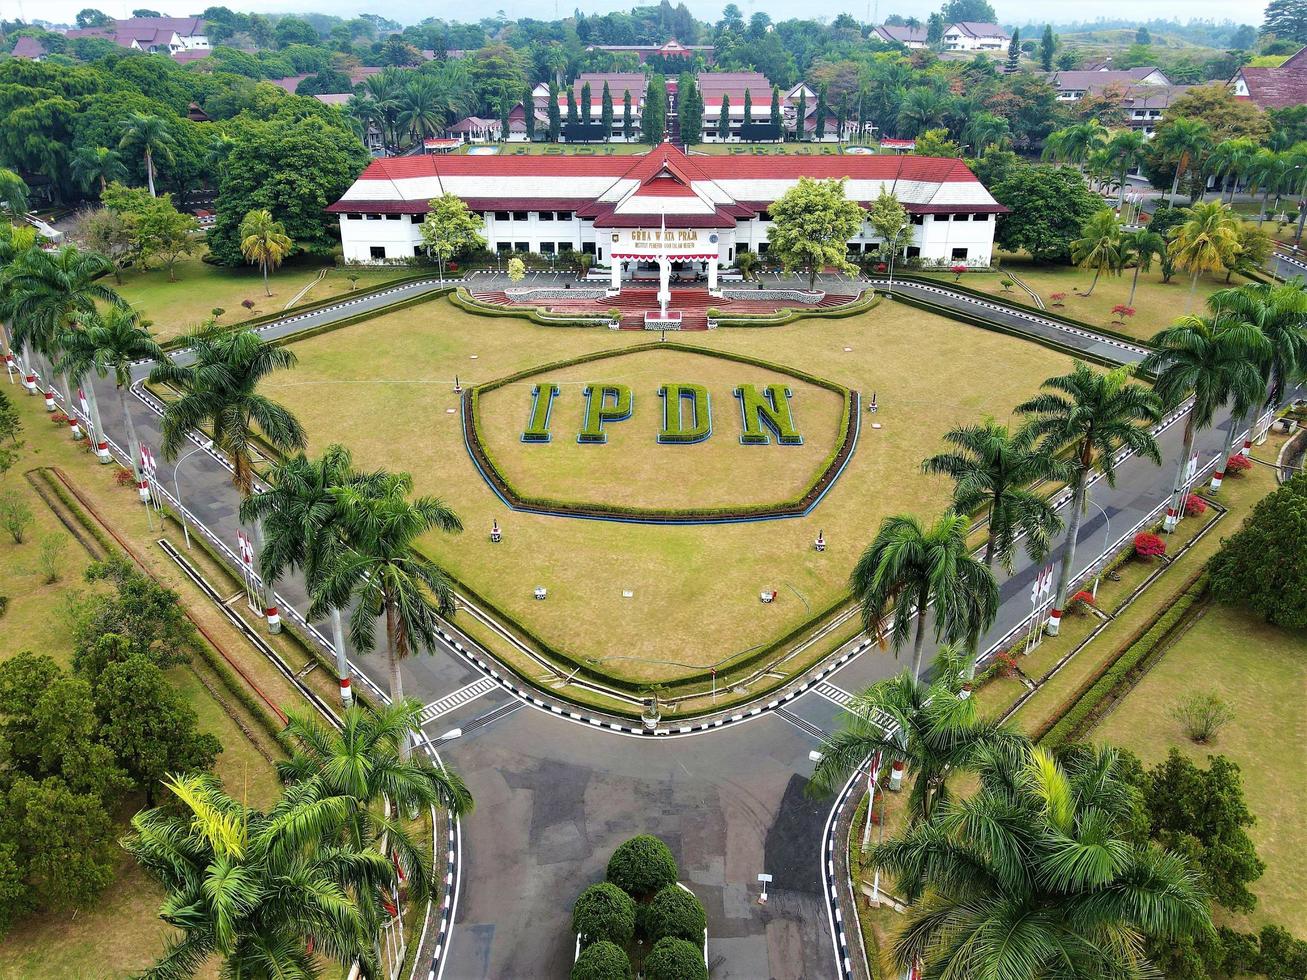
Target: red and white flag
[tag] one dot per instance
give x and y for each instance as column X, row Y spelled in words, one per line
column 148, row 462
column 246, row 550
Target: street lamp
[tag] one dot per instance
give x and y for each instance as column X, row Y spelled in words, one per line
column 1107, row 540
column 893, row 250
column 177, row 488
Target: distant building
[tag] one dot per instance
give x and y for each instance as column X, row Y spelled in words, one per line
column 672, row 49
column 29, row 48
column 155, row 35
column 1274, row 88
column 1147, row 104
column 968, row 35
column 909, row 37
column 619, row 83
column 1075, row 85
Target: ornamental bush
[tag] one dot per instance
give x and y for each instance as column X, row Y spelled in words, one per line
column 602, row 912
column 1263, row 566
column 675, row 959
column 1195, row 506
column 602, row 961
column 1149, row 545
column 1238, row 463
column 642, row 866
column 675, row 912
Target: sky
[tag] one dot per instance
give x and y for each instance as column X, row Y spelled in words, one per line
column 407, row 11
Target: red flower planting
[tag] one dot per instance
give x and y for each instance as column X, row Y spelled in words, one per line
column 1005, row 663
column 1149, row 545
column 1120, row 312
column 1057, row 298
column 1237, row 463
column 124, row 478
column 1086, row 597
column 59, row 418
column 1195, row 505
column 957, row 271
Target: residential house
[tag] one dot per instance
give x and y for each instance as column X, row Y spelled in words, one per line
column 1073, row 86
column 1274, row 88
column 968, row 35
column 155, row 35
column 910, row 37
column 672, row 49
column 29, row 48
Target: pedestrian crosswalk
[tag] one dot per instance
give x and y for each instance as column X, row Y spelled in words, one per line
column 832, row 693
column 457, row 699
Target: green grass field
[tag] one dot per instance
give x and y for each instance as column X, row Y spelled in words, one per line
column 385, row 389
column 1261, row 671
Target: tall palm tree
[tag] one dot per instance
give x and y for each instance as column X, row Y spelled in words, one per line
column 930, row 730
column 49, row 290
column 922, row 108
column 15, row 241
column 423, row 107
column 994, row 467
column 1279, row 311
column 271, row 894
column 1075, row 144
column 93, row 166
column 14, row 194
column 1140, row 246
column 109, row 342
column 303, row 528
column 1267, row 172
column 1206, row 243
column 76, row 362
column 906, row 567
column 1037, row 875
column 218, row 388
column 382, row 574
column 1126, row 149
column 986, row 129
column 1182, row 143
column 1097, row 414
column 264, row 242
column 1230, row 160
column 1099, row 247
column 1218, row 358
column 151, row 137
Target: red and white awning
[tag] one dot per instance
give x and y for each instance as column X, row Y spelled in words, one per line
column 674, row 256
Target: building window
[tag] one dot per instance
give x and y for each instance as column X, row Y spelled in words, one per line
column 522, row 247
column 373, row 217
column 546, row 216
column 917, row 219
column 503, row 247
column 393, row 217
column 564, row 246
column 588, row 248
column 503, row 216
column 959, row 253
column 377, row 251
column 521, row 215
column 961, row 217
column 762, row 248
column 546, row 248
column 980, row 217
column 914, row 251
column 564, row 215
column 354, row 217
column 764, row 215
column 417, row 219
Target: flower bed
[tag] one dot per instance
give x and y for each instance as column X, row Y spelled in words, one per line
column 794, row 295
column 530, row 293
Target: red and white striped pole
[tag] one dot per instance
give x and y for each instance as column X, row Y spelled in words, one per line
column 49, row 397
column 29, row 380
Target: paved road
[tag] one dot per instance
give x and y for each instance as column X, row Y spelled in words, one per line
column 555, row 796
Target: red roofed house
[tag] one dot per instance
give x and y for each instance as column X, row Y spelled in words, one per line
column 968, row 35
column 29, row 48
column 672, row 49
column 634, row 212
column 1274, row 88
column 910, row 37
column 619, row 83
column 165, row 35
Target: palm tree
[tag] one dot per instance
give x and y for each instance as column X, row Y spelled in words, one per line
column 92, row 165
column 382, row 574
column 930, row 730
column 1140, row 246
column 13, row 194
column 303, row 528
column 922, row 108
column 997, row 468
column 1268, row 172
column 110, row 342
column 49, row 290
column 272, row 894
column 1097, row 414
column 1099, row 246
column 219, row 390
column 1126, row 149
column 264, row 242
column 423, row 107
column 907, row 566
column 1075, row 144
column 151, row 137
column 1279, row 311
column 1218, row 359
column 1230, row 160
column 1206, row 243
column 15, row 241
column 986, row 129
column 1182, row 143
column 1038, row 874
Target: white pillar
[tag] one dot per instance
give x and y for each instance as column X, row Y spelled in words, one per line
column 664, row 283
column 616, row 281
column 712, row 275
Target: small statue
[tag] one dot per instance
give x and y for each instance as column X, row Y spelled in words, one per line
column 496, row 535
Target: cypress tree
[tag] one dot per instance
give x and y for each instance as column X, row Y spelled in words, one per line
column 1013, row 51
column 724, row 120
column 748, row 107
column 554, row 122
column 503, row 120
column 607, row 111
column 842, row 115
column 585, row 104
column 571, row 112
column 819, row 130
column 800, row 121
column 777, row 120
column 655, row 110
column 529, row 108
column 628, row 124
column 1047, row 45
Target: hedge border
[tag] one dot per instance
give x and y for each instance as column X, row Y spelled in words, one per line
column 1077, row 709
column 831, row 467
column 466, row 302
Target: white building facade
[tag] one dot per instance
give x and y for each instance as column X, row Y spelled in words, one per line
column 624, row 210
column 971, row 36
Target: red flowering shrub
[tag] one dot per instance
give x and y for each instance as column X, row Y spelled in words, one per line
column 1148, row 545
column 59, row 418
column 1005, row 663
column 124, row 478
column 1195, row 505
column 1121, row 311
column 1057, row 298
column 1084, row 598
column 881, row 267
column 957, row 271
column 1237, row 463
column 248, row 304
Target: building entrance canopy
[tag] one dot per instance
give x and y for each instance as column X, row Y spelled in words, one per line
column 678, row 244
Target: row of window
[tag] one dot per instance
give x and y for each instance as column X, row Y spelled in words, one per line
column 526, row 215
column 764, row 216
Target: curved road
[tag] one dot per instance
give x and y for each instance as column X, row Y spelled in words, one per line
column 555, row 794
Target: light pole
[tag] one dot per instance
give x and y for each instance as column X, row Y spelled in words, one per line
column 893, row 250
column 1107, row 540
column 177, row 489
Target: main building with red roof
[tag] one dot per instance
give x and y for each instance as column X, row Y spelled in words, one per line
column 629, row 211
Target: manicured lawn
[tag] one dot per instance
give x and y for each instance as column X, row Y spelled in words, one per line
column 1261, row 672
column 633, row 468
column 178, row 307
column 1156, row 304
column 561, row 149
column 385, row 389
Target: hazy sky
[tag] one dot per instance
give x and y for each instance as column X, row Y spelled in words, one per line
column 1017, row 11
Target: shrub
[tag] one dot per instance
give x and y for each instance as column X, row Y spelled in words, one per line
column 1201, row 716
column 217, row 311
column 4, row 604
column 1057, row 298
column 124, row 478
column 1006, row 284
column 1195, row 506
column 1005, row 663
column 1079, row 601
column 675, row 912
column 1238, row 463
column 16, row 517
column 604, row 911
column 1120, row 312
column 1149, row 545
column 675, row 959
column 642, row 866
column 602, row 961
column 50, row 555
column 1263, row 566
column 957, row 271
column 58, row 418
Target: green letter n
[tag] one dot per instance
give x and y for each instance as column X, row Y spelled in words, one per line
column 675, row 431
column 542, row 404
column 767, row 412
column 604, row 403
